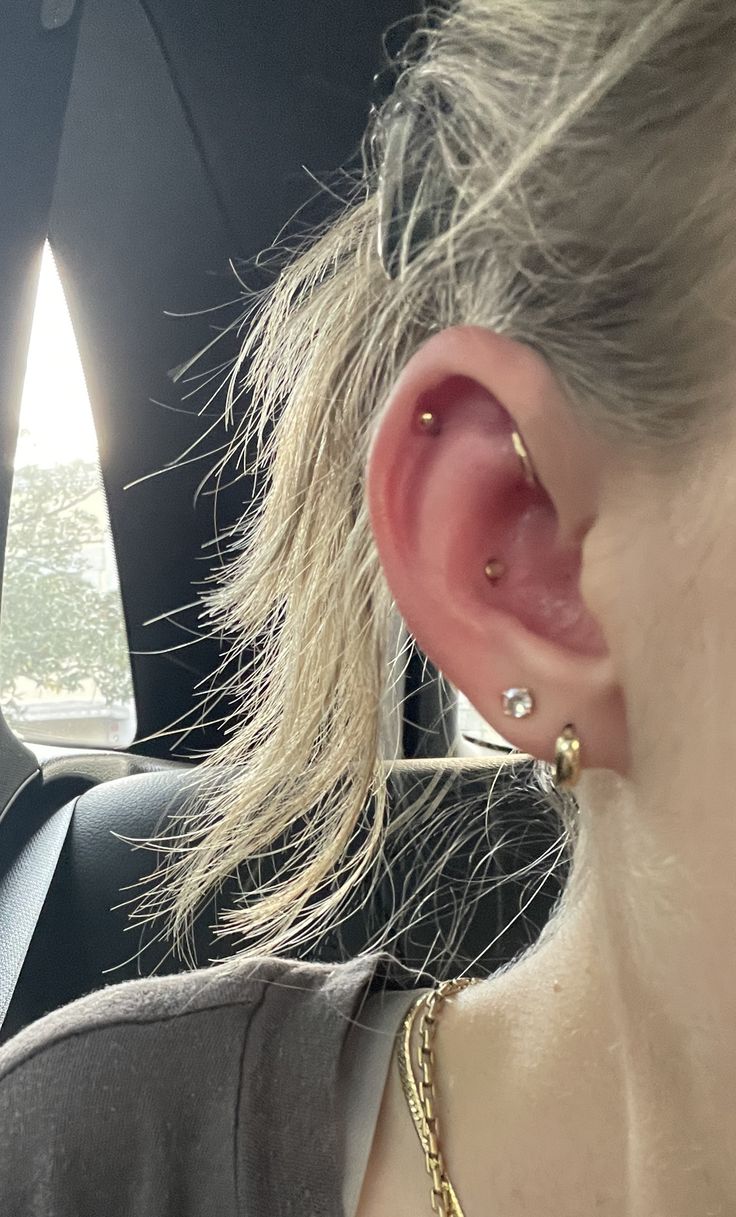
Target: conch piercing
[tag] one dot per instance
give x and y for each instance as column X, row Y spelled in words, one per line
column 568, row 765
column 495, row 570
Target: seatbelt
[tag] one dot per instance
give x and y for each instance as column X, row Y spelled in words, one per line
column 23, row 890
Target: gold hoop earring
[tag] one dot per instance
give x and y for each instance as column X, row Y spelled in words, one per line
column 526, row 463
column 568, row 765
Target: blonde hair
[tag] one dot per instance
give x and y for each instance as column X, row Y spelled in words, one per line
column 565, row 177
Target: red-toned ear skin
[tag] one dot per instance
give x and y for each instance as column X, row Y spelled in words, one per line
column 447, row 498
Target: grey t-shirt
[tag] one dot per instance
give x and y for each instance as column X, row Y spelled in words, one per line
column 221, row 1093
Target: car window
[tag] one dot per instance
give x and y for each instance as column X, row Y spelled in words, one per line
column 64, row 663
column 474, row 727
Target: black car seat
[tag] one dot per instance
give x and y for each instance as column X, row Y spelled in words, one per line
column 503, row 872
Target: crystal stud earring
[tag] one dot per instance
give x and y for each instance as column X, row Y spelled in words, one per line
column 517, row 703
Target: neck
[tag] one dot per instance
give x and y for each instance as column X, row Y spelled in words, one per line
column 598, row 1073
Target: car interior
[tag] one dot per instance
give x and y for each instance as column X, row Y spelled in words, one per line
column 156, row 148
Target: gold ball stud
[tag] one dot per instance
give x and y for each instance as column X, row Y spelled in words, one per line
column 429, row 422
column 495, row 570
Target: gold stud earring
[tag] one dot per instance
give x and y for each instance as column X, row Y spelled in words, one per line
column 495, row 570
column 568, row 765
column 429, row 422
column 526, row 464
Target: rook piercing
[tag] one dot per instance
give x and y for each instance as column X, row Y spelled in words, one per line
column 567, row 758
column 523, row 455
column 517, row 703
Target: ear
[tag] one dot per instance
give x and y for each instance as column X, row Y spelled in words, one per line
column 449, row 495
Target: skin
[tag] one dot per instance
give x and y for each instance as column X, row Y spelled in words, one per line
column 598, row 1074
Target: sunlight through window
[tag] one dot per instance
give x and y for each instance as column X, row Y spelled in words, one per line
column 64, row 663
column 474, row 727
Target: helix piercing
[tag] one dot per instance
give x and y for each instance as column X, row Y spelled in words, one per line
column 568, row 765
column 517, row 703
column 428, row 422
column 523, row 455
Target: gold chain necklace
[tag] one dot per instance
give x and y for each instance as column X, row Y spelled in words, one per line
column 421, row 1096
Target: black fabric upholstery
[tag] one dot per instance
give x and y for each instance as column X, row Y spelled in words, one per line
column 84, row 938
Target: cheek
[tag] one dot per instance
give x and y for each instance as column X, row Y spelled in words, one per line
column 635, row 592
column 662, row 582
column 659, row 575
column 603, row 581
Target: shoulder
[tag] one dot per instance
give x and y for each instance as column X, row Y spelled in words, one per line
column 156, row 1008
column 145, row 1079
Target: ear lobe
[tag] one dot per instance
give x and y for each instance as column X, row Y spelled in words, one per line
column 480, row 569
